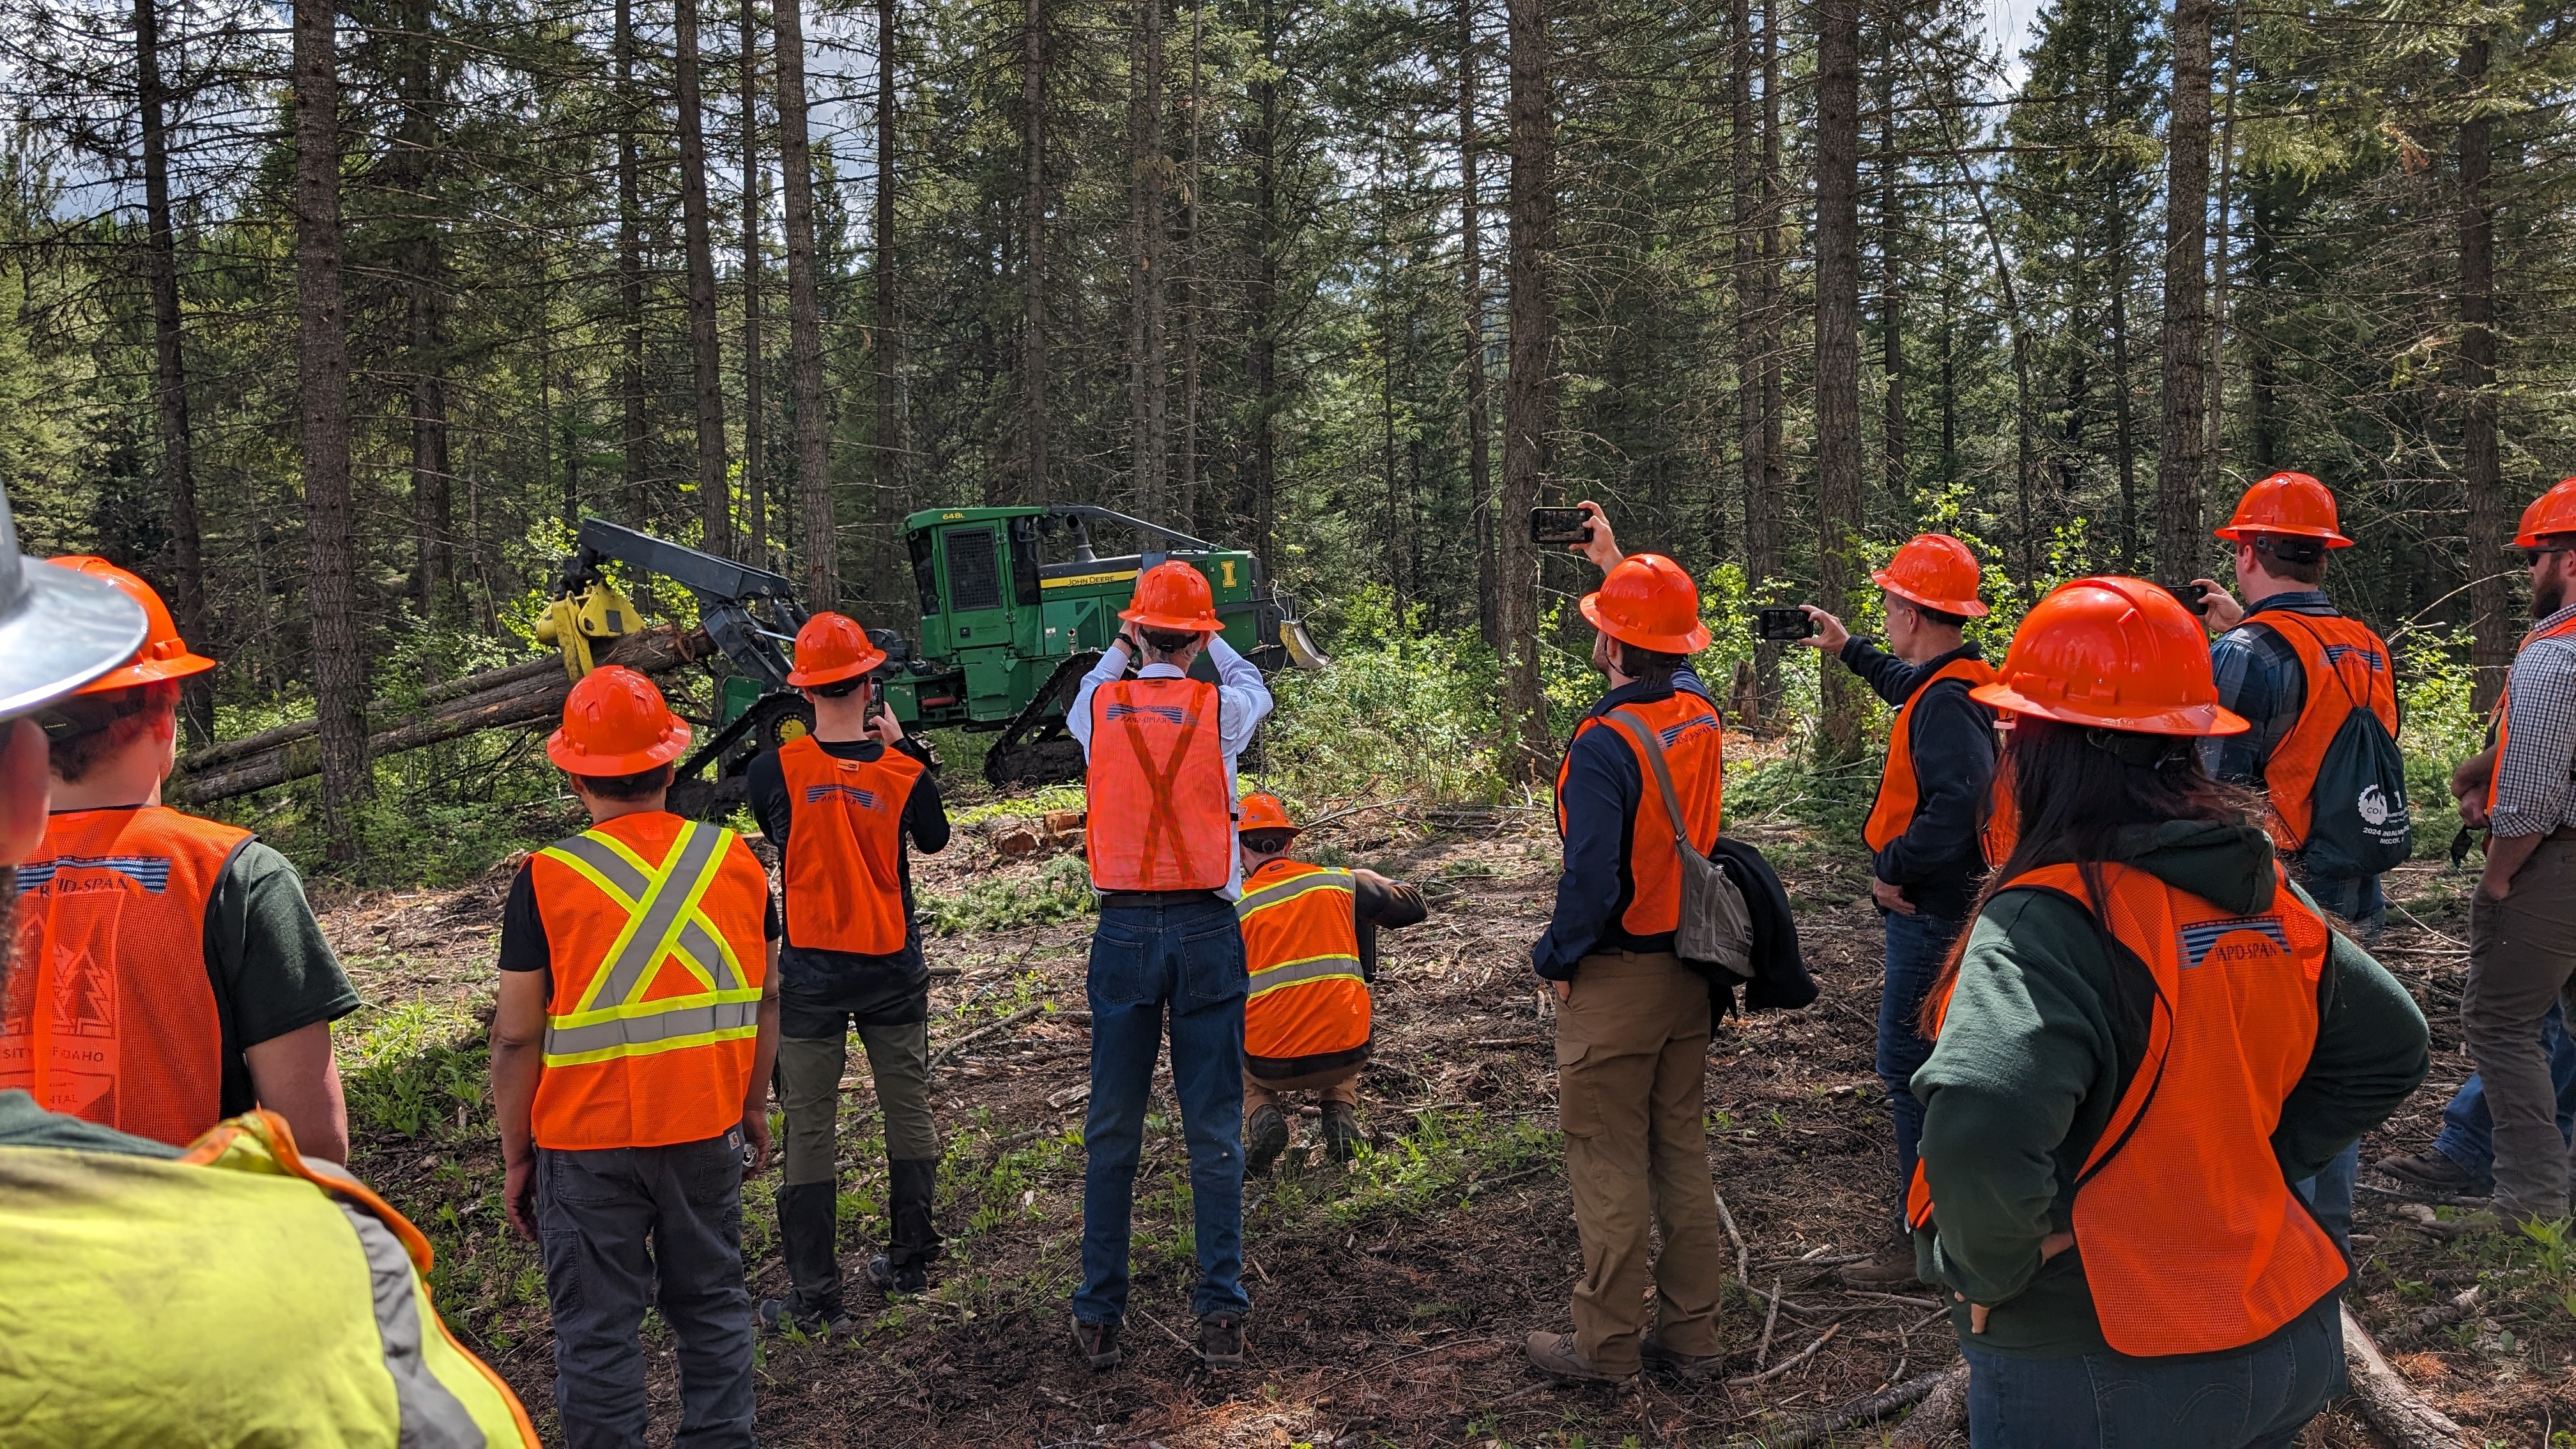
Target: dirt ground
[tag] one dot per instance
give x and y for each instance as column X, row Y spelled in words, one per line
column 1390, row 1297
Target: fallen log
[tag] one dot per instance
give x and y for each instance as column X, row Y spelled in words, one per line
column 518, row 695
column 223, row 752
column 1944, row 1412
column 2391, row 1405
column 1868, row 1409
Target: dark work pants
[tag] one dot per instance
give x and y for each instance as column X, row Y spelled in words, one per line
column 622, row 1227
column 1915, row 946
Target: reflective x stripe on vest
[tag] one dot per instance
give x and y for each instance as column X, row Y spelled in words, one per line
column 1899, row 792
column 2192, row 1241
column 1161, row 815
column 611, row 1017
column 2558, row 630
column 2333, row 651
column 1301, row 942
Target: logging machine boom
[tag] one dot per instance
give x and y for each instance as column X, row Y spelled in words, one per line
column 1016, row 607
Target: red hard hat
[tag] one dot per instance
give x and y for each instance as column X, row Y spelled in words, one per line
column 1936, row 571
column 1172, row 595
column 2289, row 503
column 1649, row 601
column 1262, row 812
column 830, row 648
column 2119, row 653
column 2553, row 512
column 164, row 655
column 615, row 723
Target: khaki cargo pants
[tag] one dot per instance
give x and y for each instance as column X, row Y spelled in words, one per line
column 1631, row 1068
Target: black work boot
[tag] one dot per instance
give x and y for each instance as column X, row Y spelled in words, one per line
column 2433, row 1169
column 1342, row 1134
column 1265, row 1136
column 914, row 1243
column 1221, row 1341
column 1098, row 1344
column 806, row 1228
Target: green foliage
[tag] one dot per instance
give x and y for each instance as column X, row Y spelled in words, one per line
column 1399, row 713
column 1061, row 892
column 414, row 1070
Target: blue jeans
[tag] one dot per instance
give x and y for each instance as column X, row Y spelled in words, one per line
column 2468, row 1134
column 2357, row 899
column 1915, row 946
column 2255, row 1398
column 1187, row 957
column 2329, row 1195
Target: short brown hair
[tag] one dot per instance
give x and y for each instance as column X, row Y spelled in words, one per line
column 2300, row 560
column 83, row 731
column 626, row 789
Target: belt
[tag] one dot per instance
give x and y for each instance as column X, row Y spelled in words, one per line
column 1132, row 900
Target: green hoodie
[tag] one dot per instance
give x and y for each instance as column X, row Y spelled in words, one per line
column 2030, row 1064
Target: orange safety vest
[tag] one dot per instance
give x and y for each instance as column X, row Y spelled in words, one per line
column 654, row 925
column 110, row 1015
column 1899, row 793
column 844, row 865
column 1694, row 751
column 1302, row 944
column 2555, row 631
column 2333, row 650
column 2193, row 1242
column 1162, row 815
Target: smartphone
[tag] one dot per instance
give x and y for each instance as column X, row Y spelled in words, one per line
column 2194, row 597
column 1560, row 526
column 1783, row 622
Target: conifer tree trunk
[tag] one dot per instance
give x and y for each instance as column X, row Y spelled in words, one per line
column 888, row 347
column 1745, row 307
column 1772, row 348
column 1261, row 360
column 1529, row 399
column 715, row 502
column 630, row 272
column 1891, row 276
column 1471, row 287
column 1033, row 249
column 1192, row 303
column 1838, row 456
column 2123, row 426
column 805, row 316
column 170, row 370
column 322, row 388
column 2181, row 451
column 2493, row 631
column 1147, row 170
column 755, row 196
column 432, row 569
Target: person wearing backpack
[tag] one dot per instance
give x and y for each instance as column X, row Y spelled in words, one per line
column 2320, row 703
column 1633, row 1018
column 1926, row 847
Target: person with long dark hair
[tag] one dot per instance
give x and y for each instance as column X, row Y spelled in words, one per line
column 2147, row 1034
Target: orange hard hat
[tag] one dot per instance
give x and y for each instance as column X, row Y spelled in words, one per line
column 830, row 648
column 1649, row 601
column 1936, row 571
column 1263, row 812
column 2553, row 512
column 615, row 723
column 1172, row 595
column 2118, row 653
column 2288, row 503
column 164, row 655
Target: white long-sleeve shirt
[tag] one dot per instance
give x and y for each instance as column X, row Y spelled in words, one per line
column 1243, row 702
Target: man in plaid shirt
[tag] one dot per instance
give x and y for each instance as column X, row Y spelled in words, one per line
column 2522, row 921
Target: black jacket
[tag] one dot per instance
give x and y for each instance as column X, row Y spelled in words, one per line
column 1780, row 980
column 1938, row 860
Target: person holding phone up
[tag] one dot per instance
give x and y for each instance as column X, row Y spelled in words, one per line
column 1924, row 830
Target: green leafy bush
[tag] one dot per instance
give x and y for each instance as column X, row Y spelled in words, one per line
column 413, row 1069
column 1396, row 714
column 1061, row 892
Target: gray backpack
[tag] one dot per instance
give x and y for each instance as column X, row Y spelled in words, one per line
column 1716, row 929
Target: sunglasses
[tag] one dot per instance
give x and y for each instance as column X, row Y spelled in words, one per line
column 2531, row 557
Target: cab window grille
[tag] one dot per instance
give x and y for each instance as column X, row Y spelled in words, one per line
column 974, row 572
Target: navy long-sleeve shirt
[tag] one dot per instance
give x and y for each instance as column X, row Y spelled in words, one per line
column 1938, row 859
column 1603, row 785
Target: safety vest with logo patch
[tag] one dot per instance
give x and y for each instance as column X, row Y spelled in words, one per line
column 1694, row 751
column 2191, row 1239
column 1309, row 1006
column 843, row 872
column 2558, row 630
column 239, row 1295
column 1161, row 813
column 1899, row 792
column 110, row 1015
column 654, row 928
column 2332, row 651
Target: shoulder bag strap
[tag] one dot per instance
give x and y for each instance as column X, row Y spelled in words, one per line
column 1650, row 740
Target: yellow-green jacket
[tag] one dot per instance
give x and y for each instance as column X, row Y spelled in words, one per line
column 237, row 1295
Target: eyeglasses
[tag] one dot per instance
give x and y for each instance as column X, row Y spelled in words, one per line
column 2531, row 557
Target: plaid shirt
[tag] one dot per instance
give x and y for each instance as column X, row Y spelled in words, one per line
column 2259, row 677
column 2540, row 736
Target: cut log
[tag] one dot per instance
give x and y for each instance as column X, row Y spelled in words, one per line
column 2392, row 1406
column 1944, row 1412
column 1868, row 1409
column 382, row 711
column 517, row 696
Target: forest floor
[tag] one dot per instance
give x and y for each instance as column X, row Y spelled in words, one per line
column 1390, row 1296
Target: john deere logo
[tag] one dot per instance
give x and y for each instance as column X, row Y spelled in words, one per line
column 2374, row 806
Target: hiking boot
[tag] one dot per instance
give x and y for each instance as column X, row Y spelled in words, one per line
column 1555, row 1355
column 1892, row 1268
column 1690, row 1368
column 1342, row 1134
column 1265, row 1136
column 2434, row 1170
column 1221, row 1341
column 895, row 1282
column 1098, row 1344
column 790, row 1315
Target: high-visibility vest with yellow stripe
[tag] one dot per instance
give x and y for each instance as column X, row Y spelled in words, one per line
column 654, row 927
column 237, row 1295
column 1300, row 940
